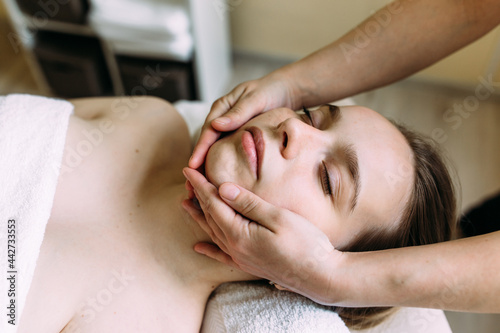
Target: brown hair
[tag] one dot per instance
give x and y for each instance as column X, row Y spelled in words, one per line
column 430, row 216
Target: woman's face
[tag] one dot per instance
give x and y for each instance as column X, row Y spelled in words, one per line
column 348, row 170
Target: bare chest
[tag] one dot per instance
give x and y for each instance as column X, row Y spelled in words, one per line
column 95, row 272
column 103, row 279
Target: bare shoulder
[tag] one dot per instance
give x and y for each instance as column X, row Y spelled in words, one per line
column 120, row 106
column 143, row 125
column 113, row 113
column 118, row 145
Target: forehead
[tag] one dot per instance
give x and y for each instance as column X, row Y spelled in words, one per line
column 385, row 163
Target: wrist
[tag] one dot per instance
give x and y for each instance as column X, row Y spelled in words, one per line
column 329, row 287
column 337, row 276
column 363, row 279
column 293, row 83
column 357, row 279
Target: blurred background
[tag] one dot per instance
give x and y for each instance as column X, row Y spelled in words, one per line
column 200, row 49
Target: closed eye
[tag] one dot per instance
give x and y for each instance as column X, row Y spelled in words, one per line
column 325, row 180
column 308, row 116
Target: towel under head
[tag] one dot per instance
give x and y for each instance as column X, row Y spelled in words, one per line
column 256, row 307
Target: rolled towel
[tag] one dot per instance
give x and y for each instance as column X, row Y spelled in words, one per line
column 180, row 49
column 32, row 135
column 156, row 17
column 258, row 308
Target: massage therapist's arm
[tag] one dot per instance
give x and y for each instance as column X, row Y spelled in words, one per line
column 415, row 35
column 457, row 275
column 419, row 34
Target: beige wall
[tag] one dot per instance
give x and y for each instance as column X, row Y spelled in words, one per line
column 292, row 29
column 3, row 13
column 467, row 64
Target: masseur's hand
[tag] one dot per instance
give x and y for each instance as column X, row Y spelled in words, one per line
column 240, row 105
column 266, row 241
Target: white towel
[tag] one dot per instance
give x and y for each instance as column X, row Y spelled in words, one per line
column 179, row 49
column 155, row 28
column 258, row 308
column 158, row 17
column 194, row 114
column 32, row 135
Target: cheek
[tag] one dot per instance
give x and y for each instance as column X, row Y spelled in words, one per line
column 298, row 193
column 223, row 164
column 216, row 172
column 300, row 197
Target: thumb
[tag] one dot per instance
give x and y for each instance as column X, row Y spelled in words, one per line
column 245, row 109
column 250, row 205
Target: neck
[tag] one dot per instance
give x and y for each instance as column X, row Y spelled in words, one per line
column 175, row 235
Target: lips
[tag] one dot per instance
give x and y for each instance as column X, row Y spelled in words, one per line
column 253, row 145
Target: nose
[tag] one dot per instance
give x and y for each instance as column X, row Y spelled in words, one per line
column 296, row 136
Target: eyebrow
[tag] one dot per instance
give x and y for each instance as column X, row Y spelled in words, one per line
column 351, row 159
column 335, row 113
column 350, row 156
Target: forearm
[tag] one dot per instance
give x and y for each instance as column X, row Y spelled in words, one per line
column 397, row 41
column 460, row 275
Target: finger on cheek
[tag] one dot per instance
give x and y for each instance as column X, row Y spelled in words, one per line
column 194, row 161
column 221, row 123
column 206, row 193
column 195, row 178
column 229, row 191
column 186, row 175
column 196, row 158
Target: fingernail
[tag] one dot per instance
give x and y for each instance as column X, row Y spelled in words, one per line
column 191, row 161
column 222, row 120
column 229, row 191
column 198, row 250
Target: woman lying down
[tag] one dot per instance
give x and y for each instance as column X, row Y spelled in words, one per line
column 118, row 222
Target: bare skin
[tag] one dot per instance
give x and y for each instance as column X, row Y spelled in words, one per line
column 457, row 275
column 419, row 33
column 117, row 253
